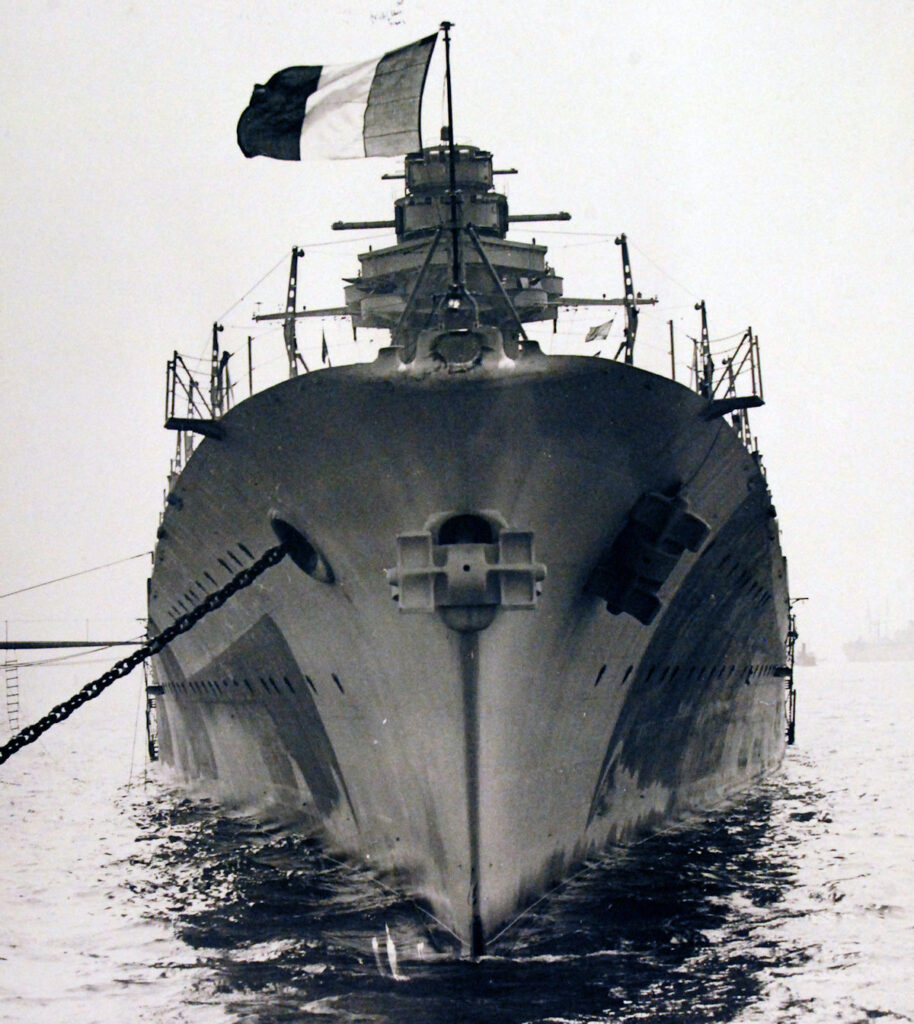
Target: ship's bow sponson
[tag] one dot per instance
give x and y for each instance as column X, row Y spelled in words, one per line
column 537, row 604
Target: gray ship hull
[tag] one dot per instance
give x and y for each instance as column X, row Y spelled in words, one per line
column 471, row 767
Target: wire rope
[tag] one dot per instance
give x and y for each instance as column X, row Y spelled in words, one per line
column 73, row 575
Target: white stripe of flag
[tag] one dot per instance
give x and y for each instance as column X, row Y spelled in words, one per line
column 340, row 111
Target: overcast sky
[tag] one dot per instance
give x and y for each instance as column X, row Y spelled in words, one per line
column 759, row 156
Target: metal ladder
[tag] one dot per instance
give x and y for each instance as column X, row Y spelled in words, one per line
column 152, row 721
column 11, row 672
column 791, row 689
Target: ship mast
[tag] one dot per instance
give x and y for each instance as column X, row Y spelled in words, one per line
column 484, row 280
column 458, row 299
column 288, row 324
column 704, row 364
column 457, row 287
column 219, row 383
column 631, row 305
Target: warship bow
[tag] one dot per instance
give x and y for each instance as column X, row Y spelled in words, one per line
column 534, row 605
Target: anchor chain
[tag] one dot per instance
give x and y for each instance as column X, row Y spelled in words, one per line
column 210, row 603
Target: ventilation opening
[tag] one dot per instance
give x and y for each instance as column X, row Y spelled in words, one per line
column 302, row 552
column 466, row 529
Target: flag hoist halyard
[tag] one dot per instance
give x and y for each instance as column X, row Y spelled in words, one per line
column 339, row 111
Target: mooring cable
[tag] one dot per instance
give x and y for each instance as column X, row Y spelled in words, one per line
column 126, row 665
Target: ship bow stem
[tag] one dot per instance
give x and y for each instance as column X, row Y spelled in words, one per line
column 469, row 668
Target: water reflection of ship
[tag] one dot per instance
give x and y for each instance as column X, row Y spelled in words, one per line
column 893, row 647
column 277, row 923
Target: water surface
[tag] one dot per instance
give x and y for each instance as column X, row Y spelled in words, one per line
column 123, row 901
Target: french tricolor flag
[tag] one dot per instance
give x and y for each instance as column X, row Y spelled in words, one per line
column 339, row 111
